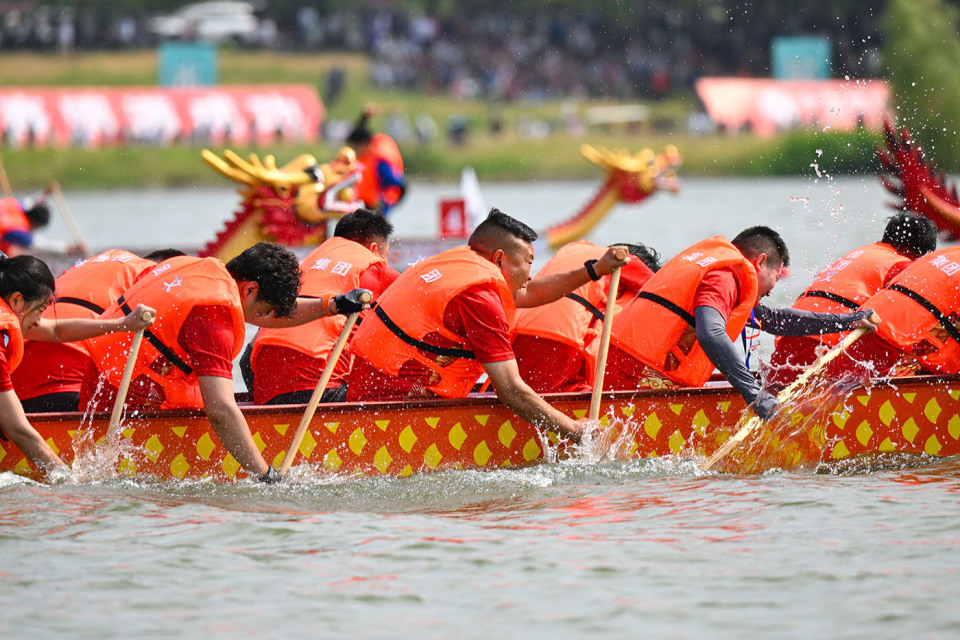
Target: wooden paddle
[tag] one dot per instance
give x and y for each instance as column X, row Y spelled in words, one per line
column 366, row 298
column 68, row 218
column 127, row 374
column 5, row 181
column 787, row 393
column 594, row 412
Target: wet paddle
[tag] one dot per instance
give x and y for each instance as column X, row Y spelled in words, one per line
column 321, row 386
column 68, row 218
column 594, row 412
column 127, row 375
column 787, row 394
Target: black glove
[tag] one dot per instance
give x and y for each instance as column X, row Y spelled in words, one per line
column 765, row 405
column 858, row 315
column 272, row 476
column 352, row 301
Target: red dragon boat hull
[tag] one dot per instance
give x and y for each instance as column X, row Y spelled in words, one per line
column 917, row 415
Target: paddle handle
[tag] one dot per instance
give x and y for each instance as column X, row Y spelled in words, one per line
column 311, row 409
column 755, row 422
column 825, row 359
column 4, row 180
column 146, row 316
column 68, row 218
column 594, row 412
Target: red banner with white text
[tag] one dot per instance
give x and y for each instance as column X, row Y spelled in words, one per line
column 764, row 106
column 102, row 116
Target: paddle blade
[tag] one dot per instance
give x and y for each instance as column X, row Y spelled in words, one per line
column 794, row 439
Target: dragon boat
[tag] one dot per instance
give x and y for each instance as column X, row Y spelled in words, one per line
column 910, row 416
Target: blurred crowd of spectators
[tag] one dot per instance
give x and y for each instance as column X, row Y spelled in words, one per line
column 28, row 26
column 656, row 50
column 517, row 52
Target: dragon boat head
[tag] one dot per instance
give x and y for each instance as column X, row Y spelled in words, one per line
column 289, row 204
column 637, row 175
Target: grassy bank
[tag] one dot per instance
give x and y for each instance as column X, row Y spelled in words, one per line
column 505, row 156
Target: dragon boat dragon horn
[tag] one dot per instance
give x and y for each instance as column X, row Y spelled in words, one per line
column 289, row 204
column 631, row 178
column 920, row 186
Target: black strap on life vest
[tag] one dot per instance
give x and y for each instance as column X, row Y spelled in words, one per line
column 929, row 306
column 158, row 344
column 80, row 302
column 419, row 344
column 848, row 303
column 663, row 302
column 586, row 305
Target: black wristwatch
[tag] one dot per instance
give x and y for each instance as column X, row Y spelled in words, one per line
column 591, row 271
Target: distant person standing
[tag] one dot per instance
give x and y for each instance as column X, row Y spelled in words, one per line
column 382, row 181
column 334, row 83
column 66, row 36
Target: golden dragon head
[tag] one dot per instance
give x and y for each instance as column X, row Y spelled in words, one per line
column 308, row 182
column 651, row 171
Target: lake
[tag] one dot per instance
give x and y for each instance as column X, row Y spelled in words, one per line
column 569, row 550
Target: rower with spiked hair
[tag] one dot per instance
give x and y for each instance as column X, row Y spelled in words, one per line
column 449, row 319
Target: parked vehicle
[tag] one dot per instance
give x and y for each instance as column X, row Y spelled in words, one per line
column 218, row 21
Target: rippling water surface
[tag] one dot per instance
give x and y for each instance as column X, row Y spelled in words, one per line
column 569, row 550
column 563, row 551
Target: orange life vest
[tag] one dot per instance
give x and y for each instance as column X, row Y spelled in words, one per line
column 846, row 284
column 920, row 310
column 650, row 326
column 333, row 267
column 382, row 147
column 413, row 307
column 174, row 287
column 577, row 318
column 12, row 218
column 10, row 323
column 88, row 288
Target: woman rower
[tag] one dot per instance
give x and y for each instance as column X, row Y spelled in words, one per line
column 26, row 288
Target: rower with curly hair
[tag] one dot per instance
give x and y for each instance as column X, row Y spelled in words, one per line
column 186, row 360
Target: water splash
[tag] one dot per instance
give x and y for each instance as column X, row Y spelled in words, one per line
column 93, row 459
column 795, row 439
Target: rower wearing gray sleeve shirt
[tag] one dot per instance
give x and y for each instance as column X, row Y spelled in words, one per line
column 682, row 324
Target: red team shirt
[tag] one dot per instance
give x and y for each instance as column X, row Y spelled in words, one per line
column 53, row 368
